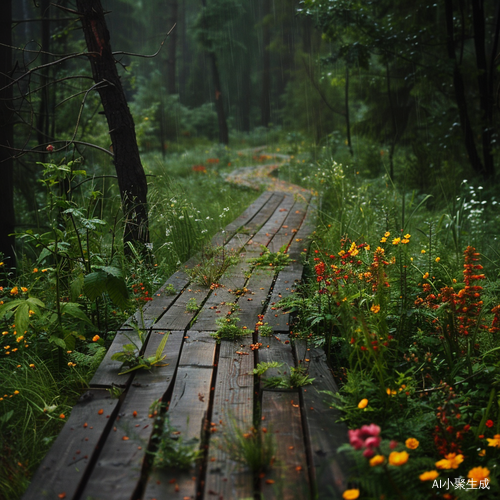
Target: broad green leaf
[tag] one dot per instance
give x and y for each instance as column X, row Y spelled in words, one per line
column 72, row 309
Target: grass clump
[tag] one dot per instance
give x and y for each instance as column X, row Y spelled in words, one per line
column 215, row 261
column 272, row 260
column 227, row 327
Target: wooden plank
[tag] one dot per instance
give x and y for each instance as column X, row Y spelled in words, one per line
column 330, row 470
column 251, row 304
column 177, row 318
column 232, row 406
column 106, row 374
column 117, row 472
column 281, row 416
column 160, row 303
column 187, row 413
column 263, row 216
column 66, row 464
column 285, row 285
column 274, row 349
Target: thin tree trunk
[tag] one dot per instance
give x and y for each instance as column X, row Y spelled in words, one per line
column 7, row 214
column 485, row 99
column 394, row 124
column 347, row 119
column 265, row 100
column 43, row 122
column 172, row 50
column 459, row 87
column 129, row 170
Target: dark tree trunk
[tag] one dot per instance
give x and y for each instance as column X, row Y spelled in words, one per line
column 43, row 121
column 219, row 103
column 265, row 100
column 172, row 49
column 245, row 97
column 485, row 95
column 7, row 216
column 459, row 87
column 347, row 118
column 394, row 124
column 131, row 176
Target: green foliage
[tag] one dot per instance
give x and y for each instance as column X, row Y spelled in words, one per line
column 192, row 305
column 263, row 366
column 107, row 280
column 297, row 377
column 215, row 261
column 272, row 260
column 173, row 452
column 227, row 327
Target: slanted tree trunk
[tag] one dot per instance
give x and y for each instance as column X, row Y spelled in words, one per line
column 7, row 215
column 131, row 176
column 459, row 87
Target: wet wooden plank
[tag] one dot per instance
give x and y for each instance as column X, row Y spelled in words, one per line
column 233, row 406
column 286, row 284
column 324, row 436
column 117, row 472
column 106, row 374
column 66, row 464
column 252, row 303
column 186, row 414
column 281, row 417
column 177, row 317
column 275, row 348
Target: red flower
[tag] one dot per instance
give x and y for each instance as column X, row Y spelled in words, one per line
column 489, row 423
column 50, row 148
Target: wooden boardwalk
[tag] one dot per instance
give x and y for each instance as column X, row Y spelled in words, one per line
column 105, row 450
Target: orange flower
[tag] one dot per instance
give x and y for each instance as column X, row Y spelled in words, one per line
column 479, row 474
column 375, row 308
column 363, row 404
column 398, row 458
column 495, row 441
column 412, row 443
column 377, row 460
column 350, row 494
column 450, row 461
column 95, row 338
column 429, row 475
column 62, row 415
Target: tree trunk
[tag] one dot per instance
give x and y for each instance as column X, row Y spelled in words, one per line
column 219, row 103
column 129, row 170
column 347, row 118
column 485, row 96
column 459, row 87
column 265, row 101
column 172, row 49
column 7, row 216
column 43, row 122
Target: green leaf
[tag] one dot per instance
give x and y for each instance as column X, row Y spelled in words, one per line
column 57, row 341
column 107, row 280
column 72, row 309
column 76, row 287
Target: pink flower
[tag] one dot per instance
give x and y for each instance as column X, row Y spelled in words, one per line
column 393, row 444
column 372, row 442
column 368, row 453
column 50, row 148
column 370, row 430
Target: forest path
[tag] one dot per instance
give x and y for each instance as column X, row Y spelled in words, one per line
column 204, row 396
column 259, row 176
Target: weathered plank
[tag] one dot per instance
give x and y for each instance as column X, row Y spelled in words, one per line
column 281, row 416
column 274, row 348
column 106, row 374
column 177, row 317
column 251, row 304
column 285, row 284
column 232, row 406
column 66, row 464
column 117, row 472
column 186, row 414
column 324, row 436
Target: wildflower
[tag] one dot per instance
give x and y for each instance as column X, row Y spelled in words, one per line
column 387, row 234
column 363, row 404
column 71, row 365
column 412, row 443
column 398, row 458
column 95, row 338
column 438, row 259
column 35, row 270
column 16, row 392
column 495, row 441
column 375, row 308
column 422, row 251
column 425, row 276
column 396, row 241
column 62, row 415
column 391, row 392
column 50, row 148
column 482, row 453
column 14, row 291
column 478, row 474
column 489, row 423
column 429, row 475
column 20, row 338
column 407, row 236
column 377, row 460
column 350, row 494
column 450, row 461
column 32, row 365
column 24, row 289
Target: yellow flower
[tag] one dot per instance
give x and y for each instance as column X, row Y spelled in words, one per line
column 95, row 338
column 377, row 460
column 482, row 453
column 391, row 392
column 396, row 241
column 429, row 475
column 14, row 291
column 412, row 443
column 422, row 251
column 363, row 404
column 383, row 240
column 407, row 236
column 479, row 474
column 425, row 276
column 35, row 270
column 450, row 461
column 387, row 234
column 375, row 308
column 32, row 365
column 398, row 458
column 20, row 338
column 438, row 259
column 495, row 441
column 350, row 494
column 24, row 289
column 16, row 392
